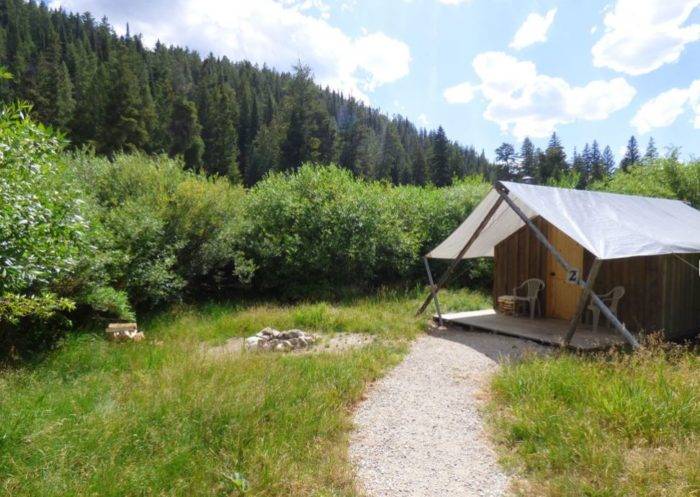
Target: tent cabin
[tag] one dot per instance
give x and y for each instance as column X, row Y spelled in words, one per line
column 582, row 244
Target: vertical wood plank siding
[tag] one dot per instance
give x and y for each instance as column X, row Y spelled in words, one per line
column 662, row 293
column 519, row 257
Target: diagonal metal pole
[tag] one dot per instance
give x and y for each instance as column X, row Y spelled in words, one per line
column 433, row 290
column 587, row 289
column 503, row 192
column 446, row 275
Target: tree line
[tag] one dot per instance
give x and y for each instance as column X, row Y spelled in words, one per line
column 231, row 119
column 551, row 165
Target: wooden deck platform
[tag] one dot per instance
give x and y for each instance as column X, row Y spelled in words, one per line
column 542, row 330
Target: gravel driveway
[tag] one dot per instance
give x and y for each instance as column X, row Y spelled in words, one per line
column 420, row 431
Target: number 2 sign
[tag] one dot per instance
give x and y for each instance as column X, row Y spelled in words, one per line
column 572, row 276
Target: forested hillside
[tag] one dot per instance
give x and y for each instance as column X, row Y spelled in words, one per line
column 228, row 118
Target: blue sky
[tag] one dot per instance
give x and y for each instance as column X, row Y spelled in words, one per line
column 489, row 71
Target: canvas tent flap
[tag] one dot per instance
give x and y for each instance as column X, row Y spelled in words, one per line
column 610, row 226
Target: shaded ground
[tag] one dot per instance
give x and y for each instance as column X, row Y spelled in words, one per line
column 420, row 430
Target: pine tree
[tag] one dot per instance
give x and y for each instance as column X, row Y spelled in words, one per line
column 608, row 162
column 439, row 159
column 392, row 164
column 303, row 142
column 420, row 167
column 219, row 133
column 597, row 164
column 247, row 122
column 554, row 161
column 54, row 91
column 185, row 132
column 651, row 153
column 90, row 86
column 124, row 127
column 578, row 165
column 111, row 92
column 505, row 161
column 631, row 155
column 367, row 153
column 528, row 161
column 65, row 104
column 264, row 156
column 583, row 165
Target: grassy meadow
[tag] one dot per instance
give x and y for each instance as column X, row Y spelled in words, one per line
column 611, row 425
column 161, row 418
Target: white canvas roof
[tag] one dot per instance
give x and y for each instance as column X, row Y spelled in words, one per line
column 609, row 225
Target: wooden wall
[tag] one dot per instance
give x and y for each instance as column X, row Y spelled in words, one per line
column 681, row 297
column 519, row 257
column 642, row 277
column 662, row 293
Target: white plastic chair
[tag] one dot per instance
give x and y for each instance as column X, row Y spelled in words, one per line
column 533, row 286
column 611, row 299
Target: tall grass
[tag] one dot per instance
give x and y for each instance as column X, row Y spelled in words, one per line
column 616, row 425
column 161, row 418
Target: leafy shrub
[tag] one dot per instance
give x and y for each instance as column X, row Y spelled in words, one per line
column 45, row 236
column 162, row 223
column 666, row 178
column 430, row 214
column 322, row 226
column 42, row 230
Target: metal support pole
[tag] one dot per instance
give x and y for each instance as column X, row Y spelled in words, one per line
column 503, row 192
column 587, row 289
column 455, row 262
column 433, row 290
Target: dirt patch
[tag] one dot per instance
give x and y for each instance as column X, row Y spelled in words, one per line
column 336, row 342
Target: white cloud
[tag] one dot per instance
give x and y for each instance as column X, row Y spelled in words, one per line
column 525, row 103
column 666, row 107
column 642, row 35
column 533, row 30
column 278, row 34
column 453, row 2
column 462, row 93
column 422, row 120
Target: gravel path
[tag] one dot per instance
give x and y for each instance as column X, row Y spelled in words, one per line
column 420, row 433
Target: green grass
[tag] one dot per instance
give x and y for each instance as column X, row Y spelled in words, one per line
column 605, row 426
column 158, row 418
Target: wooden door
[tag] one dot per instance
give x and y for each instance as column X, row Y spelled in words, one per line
column 562, row 297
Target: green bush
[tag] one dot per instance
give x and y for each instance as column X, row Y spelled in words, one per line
column 162, row 225
column 320, row 226
column 42, row 230
column 46, row 239
column 430, row 214
column 138, row 230
column 666, row 178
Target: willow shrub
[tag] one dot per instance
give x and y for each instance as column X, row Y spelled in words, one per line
column 162, row 225
column 320, row 226
column 46, row 239
column 666, row 178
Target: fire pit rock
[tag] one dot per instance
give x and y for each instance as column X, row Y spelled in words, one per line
column 282, row 341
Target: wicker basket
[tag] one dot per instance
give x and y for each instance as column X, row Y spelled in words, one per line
column 507, row 305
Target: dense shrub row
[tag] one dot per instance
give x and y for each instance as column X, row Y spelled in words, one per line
column 321, row 226
column 666, row 178
column 168, row 233
column 83, row 236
